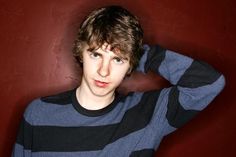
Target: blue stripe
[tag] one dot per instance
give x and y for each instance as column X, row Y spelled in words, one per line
column 199, row 98
column 49, row 114
column 179, row 64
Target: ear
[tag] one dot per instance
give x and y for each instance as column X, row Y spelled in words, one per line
column 81, row 60
column 80, row 57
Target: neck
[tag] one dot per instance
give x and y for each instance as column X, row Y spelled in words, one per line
column 90, row 101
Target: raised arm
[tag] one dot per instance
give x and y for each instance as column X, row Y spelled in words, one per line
column 194, row 83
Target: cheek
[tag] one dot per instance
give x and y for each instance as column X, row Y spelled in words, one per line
column 119, row 74
column 89, row 67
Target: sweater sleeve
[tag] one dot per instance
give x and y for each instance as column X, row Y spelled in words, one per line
column 194, row 83
column 24, row 141
column 22, row 147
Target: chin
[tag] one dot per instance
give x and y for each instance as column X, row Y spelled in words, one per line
column 102, row 92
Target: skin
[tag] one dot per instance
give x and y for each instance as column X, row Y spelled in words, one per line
column 103, row 71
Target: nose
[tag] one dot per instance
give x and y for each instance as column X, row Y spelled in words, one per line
column 104, row 69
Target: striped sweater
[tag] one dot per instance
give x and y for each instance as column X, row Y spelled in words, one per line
column 132, row 125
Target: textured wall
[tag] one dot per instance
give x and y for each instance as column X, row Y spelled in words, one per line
column 36, row 40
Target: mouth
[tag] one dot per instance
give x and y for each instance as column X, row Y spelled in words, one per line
column 101, row 84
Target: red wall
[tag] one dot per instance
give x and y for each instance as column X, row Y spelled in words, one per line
column 36, row 39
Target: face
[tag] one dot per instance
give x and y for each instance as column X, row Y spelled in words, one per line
column 103, row 71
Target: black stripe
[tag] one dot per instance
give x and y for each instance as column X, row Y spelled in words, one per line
column 67, row 139
column 176, row 115
column 137, row 117
column 155, row 56
column 143, row 153
column 24, row 136
column 60, row 99
column 198, row 74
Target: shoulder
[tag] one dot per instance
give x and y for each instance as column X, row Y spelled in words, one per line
column 45, row 106
column 61, row 98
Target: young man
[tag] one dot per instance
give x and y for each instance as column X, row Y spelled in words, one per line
column 93, row 120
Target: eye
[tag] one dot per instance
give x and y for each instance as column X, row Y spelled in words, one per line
column 118, row 60
column 94, row 55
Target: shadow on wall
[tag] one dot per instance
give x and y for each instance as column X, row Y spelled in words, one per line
column 36, row 42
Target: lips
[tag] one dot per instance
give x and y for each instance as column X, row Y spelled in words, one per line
column 101, row 84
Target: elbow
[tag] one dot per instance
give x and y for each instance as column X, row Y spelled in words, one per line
column 221, row 83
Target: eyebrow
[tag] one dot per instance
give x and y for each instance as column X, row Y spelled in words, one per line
column 124, row 57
